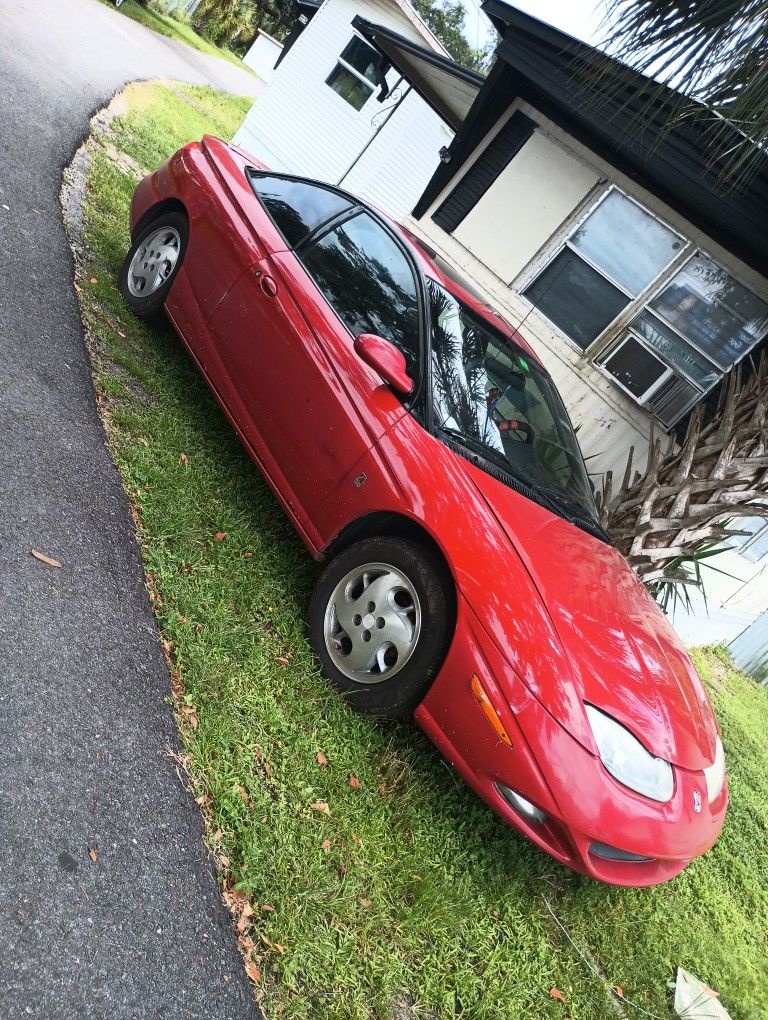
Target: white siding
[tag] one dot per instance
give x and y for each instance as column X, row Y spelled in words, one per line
column 300, row 125
column 542, row 185
column 261, row 57
column 394, row 169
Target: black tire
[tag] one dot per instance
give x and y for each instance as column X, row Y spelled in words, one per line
column 395, row 696
column 150, row 307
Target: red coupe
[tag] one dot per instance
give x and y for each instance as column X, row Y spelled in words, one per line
column 424, row 455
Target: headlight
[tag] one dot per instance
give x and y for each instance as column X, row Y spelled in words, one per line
column 715, row 774
column 627, row 760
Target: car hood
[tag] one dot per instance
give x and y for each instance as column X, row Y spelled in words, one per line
column 619, row 652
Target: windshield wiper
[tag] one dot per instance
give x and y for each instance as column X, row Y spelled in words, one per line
column 553, row 500
column 503, row 466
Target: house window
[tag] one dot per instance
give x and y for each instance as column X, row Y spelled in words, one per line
column 356, row 73
column 611, row 257
column 685, row 325
column 754, row 545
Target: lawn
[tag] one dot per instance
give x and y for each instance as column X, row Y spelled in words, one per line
column 174, row 28
column 369, row 882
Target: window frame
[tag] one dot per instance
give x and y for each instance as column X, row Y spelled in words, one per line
column 252, row 172
column 415, row 402
column 341, row 62
column 619, row 330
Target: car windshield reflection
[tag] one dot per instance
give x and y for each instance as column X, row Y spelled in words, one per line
column 489, row 394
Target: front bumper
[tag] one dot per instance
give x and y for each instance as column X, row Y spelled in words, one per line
column 587, row 810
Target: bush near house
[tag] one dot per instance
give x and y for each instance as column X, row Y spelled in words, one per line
column 367, row 881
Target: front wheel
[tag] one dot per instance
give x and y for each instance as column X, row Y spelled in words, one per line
column 152, row 263
column 380, row 621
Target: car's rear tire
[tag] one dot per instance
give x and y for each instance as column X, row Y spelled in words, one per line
column 151, row 265
column 381, row 619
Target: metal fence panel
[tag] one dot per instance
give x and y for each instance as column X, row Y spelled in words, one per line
column 750, row 649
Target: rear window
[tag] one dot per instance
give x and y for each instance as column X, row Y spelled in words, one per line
column 297, row 207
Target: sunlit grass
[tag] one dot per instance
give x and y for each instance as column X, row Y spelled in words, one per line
column 409, row 898
column 173, row 28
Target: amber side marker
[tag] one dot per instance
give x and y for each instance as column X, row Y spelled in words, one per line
column 490, row 712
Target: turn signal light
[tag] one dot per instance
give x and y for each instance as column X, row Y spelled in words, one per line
column 490, row 712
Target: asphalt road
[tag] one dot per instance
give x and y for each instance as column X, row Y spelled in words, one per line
column 84, row 729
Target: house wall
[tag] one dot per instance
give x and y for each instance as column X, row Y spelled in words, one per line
column 300, row 125
column 262, row 56
column 509, row 236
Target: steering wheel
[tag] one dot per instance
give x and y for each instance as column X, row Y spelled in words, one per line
column 516, row 428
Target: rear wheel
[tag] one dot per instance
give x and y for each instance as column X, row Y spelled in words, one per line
column 381, row 620
column 152, row 263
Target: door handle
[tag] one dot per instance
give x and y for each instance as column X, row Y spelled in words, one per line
column 268, row 285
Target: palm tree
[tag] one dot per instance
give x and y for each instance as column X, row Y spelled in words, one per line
column 712, row 51
column 688, row 500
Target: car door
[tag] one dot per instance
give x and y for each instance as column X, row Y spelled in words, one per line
column 285, row 332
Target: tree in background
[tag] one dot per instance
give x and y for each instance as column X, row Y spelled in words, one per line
column 679, row 511
column 714, row 51
column 446, row 20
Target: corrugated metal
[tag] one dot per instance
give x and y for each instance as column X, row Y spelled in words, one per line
column 750, row 649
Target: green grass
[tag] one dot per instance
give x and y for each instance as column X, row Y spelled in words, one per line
column 410, row 898
column 175, row 29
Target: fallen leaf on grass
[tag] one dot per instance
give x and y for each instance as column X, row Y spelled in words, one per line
column 247, row 910
column 184, row 459
column 326, row 844
column 143, row 441
column 354, row 782
column 283, row 660
column 618, row 990
column 321, row 760
column 93, row 855
column 253, row 971
column 321, row 806
column 94, row 280
column 248, row 555
column 244, row 794
column 366, row 903
column 555, row 993
column 268, row 907
column 273, row 945
column 45, row 559
column 219, row 536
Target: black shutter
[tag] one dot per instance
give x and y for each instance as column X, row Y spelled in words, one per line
column 484, row 171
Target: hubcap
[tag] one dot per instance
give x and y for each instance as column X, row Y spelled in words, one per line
column 154, row 262
column 372, row 623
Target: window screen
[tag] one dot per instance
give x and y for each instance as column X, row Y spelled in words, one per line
column 576, row 298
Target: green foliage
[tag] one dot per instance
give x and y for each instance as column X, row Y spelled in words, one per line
column 422, row 903
column 173, row 26
column 235, row 23
column 446, row 19
column 715, row 51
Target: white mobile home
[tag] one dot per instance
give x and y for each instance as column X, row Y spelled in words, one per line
column 336, row 111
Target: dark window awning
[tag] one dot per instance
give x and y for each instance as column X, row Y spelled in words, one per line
column 448, row 87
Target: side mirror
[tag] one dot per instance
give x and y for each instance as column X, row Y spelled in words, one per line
column 386, row 359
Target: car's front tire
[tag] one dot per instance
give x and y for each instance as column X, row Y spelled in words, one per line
column 152, row 263
column 381, row 618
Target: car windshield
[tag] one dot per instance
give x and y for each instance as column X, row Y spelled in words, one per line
column 491, row 396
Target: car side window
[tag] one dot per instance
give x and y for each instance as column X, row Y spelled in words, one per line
column 297, row 207
column 369, row 283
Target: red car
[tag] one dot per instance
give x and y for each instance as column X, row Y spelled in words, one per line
column 423, row 454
